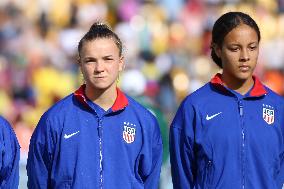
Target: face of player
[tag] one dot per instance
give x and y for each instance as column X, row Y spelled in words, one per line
column 239, row 53
column 100, row 64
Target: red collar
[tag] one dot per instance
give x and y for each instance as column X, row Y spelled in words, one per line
column 121, row 100
column 257, row 90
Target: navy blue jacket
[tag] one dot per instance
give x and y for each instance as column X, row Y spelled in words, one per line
column 222, row 140
column 9, row 156
column 73, row 147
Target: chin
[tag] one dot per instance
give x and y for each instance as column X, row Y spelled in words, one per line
column 101, row 86
column 244, row 76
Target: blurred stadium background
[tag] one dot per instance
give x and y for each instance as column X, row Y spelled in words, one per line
column 166, row 49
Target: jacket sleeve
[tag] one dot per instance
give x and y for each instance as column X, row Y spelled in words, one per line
column 182, row 158
column 151, row 157
column 10, row 156
column 40, row 156
column 280, row 175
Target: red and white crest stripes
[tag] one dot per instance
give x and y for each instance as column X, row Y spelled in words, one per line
column 268, row 114
column 128, row 132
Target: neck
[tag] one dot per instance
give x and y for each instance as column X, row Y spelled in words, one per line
column 238, row 85
column 104, row 98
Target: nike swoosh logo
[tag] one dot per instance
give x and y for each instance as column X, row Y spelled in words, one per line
column 68, row 136
column 211, row 117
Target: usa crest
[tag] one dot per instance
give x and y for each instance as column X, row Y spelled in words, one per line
column 128, row 132
column 268, row 114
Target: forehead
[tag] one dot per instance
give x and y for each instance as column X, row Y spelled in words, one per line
column 100, row 45
column 241, row 34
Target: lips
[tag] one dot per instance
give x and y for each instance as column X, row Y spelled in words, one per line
column 99, row 77
column 244, row 68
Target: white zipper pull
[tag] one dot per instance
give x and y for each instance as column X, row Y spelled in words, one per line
column 241, row 108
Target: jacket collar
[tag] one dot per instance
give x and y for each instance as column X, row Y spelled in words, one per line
column 257, row 90
column 121, row 100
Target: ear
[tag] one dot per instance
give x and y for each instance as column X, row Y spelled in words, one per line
column 78, row 60
column 217, row 50
column 121, row 64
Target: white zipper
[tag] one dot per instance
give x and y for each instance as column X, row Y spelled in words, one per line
column 241, row 111
column 101, row 152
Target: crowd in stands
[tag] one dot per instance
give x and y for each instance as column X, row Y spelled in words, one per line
column 166, row 44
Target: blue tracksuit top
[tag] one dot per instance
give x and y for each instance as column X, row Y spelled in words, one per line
column 9, row 156
column 220, row 140
column 73, row 147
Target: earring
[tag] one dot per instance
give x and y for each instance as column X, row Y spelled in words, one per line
column 118, row 77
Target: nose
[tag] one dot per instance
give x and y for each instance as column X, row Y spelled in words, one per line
column 99, row 67
column 244, row 56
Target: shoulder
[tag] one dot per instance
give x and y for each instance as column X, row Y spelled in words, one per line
column 201, row 95
column 6, row 131
column 3, row 122
column 273, row 94
column 191, row 104
column 147, row 119
column 139, row 108
column 274, row 97
column 55, row 114
column 5, row 126
column 59, row 107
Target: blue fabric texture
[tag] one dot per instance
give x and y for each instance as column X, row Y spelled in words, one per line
column 220, row 139
column 74, row 147
column 9, row 156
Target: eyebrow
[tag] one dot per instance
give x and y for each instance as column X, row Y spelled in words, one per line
column 89, row 58
column 108, row 56
column 237, row 44
column 93, row 58
column 256, row 42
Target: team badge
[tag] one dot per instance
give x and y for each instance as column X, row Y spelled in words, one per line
column 128, row 132
column 268, row 114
